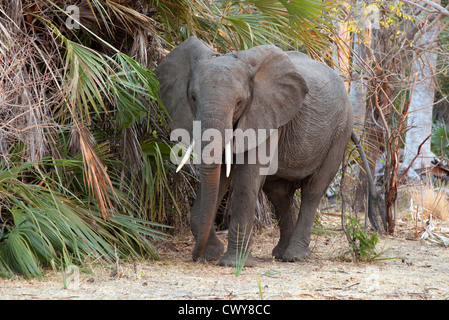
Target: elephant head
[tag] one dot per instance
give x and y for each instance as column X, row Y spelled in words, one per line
column 254, row 89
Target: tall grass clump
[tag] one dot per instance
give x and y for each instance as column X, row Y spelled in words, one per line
column 428, row 199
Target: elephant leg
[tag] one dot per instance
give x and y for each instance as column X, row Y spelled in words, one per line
column 281, row 194
column 312, row 191
column 214, row 247
column 246, row 185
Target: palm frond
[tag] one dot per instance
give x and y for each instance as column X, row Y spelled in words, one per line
column 49, row 226
column 237, row 25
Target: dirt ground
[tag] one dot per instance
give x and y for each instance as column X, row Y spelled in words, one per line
column 418, row 271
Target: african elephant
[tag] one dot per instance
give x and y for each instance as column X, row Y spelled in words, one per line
column 260, row 88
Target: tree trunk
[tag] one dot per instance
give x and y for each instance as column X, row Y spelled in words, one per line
column 342, row 52
column 358, row 89
column 422, row 99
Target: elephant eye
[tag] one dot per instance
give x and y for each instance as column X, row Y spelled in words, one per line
column 193, row 97
column 240, row 103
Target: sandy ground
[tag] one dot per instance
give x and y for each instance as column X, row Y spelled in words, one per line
column 419, row 271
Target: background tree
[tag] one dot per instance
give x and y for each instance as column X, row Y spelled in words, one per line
column 391, row 53
column 422, row 94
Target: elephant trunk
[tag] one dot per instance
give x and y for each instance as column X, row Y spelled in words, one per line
column 210, row 180
column 210, row 171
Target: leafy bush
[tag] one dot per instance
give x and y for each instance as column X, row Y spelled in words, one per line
column 440, row 139
column 362, row 245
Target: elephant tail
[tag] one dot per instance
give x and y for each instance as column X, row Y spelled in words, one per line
column 376, row 203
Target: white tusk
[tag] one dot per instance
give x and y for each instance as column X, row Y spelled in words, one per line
column 186, row 156
column 228, row 156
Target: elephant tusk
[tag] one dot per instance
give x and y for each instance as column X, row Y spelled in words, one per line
column 228, row 156
column 186, row 156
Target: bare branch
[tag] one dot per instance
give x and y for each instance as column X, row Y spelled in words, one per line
column 437, row 8
column 413, row 160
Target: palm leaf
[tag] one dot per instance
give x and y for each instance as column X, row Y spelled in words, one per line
column 236, row 25
column 54, row 227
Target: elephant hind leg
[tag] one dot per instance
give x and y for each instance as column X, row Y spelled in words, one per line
column 312, row 191
column 281, row 194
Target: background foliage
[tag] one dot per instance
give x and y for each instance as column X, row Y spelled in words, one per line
column 84, row 145
column 84, row 150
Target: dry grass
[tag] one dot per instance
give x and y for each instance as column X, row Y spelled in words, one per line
column 427, row 199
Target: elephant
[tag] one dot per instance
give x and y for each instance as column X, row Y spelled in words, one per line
column 262, row 88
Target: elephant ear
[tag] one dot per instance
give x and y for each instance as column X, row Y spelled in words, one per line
column 278, row 89
column 173, row 73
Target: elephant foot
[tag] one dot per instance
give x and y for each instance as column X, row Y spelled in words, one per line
column 278, row 251
column 229, row 259
column 296, row 254
column 213, row 251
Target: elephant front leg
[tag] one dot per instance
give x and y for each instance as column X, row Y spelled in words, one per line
column 245, row 190
column 240, row 231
